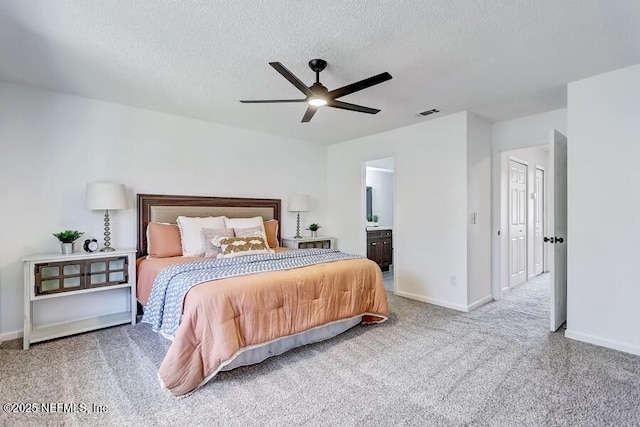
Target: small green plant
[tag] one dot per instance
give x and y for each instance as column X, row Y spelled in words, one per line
column 68, row 236
column 375, row 218
column 313, row 227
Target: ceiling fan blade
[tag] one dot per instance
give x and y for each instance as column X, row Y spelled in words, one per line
column 292, row 79
column 311, row 110
column 352, row 107
column 362, row 84
column 267, row 101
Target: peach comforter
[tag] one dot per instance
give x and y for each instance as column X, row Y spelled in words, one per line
column 225, row 317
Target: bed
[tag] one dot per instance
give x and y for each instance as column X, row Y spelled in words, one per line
column 230, row 312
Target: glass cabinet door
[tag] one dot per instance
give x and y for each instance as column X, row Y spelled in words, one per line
column 54, row 277
column 107, row 271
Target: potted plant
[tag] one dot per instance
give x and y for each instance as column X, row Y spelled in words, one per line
column 314, row 229
column 66, row 238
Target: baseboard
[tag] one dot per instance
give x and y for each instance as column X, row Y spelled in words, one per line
column 602, row 342
column 441, row 303
column 481, row 301
column 7, row 336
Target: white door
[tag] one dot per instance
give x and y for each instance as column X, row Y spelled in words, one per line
column 538, row 222
column 517, row 223
column 557, row 234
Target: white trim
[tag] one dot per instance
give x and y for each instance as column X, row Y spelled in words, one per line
column 518, row 160
column 480, row 302
column 441, row 303
column 602, row 342
column 374, row 169
column 8, row 336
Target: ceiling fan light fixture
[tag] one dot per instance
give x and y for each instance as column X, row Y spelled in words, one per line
column 316, row 101
column 317, row 95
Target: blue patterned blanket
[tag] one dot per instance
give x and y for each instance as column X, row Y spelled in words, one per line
column 164, row 307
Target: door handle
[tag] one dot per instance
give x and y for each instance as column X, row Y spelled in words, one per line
column 553, row 239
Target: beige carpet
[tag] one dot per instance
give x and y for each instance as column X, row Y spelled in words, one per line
column 496, row 366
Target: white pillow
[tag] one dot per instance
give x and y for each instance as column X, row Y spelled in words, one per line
column 256, row 221
column 191, row 232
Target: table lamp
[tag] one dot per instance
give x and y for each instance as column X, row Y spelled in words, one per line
column 299, row 203
column 106, row 196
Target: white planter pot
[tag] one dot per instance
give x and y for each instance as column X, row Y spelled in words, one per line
column 66, row 248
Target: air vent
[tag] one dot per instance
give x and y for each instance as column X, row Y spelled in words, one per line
column 428, row 112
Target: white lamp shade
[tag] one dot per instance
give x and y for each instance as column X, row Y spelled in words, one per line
column 299, row 203
column 106, row 196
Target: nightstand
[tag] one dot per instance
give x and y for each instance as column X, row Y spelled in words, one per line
column 310, row 242
column 49, row 277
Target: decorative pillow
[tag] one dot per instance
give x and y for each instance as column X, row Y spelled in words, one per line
column 163, row 240
column 191, row 232
column 271, row 230
column 210, row 234
column 256, row 221
column 239, row 246
column 247, row 232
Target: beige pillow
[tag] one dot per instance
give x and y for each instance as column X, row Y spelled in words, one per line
column 247, row 232
column 211, row 234
column 256, row 221
column 163, row 240
column 191, row 232
column 271, row 230
column 239, row 246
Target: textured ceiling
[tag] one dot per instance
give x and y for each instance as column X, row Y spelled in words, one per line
column 498, row 58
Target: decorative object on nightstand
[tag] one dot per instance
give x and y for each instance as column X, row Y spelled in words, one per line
column 106, row 196
column 299, row 203
column 313, row 227
column 90, row 245
column 67, row 237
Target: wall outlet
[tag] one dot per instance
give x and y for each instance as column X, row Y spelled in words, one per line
column 453, row 280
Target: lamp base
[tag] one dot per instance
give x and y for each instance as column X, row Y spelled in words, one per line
column 298, row 236
column 107, row 234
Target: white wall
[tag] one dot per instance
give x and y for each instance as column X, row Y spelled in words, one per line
column 479, row 202
column 381, row 183
column 431, row 212
column 603, row 227
column 522, row 132
column 53, row 144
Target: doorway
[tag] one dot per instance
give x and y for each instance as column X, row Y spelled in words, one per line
column 523, row 211
column 545, row 201
column 379, row 214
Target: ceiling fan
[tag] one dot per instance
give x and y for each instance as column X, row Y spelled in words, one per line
column 317, row 95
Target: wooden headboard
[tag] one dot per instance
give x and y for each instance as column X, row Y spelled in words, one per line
column 164, row 208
